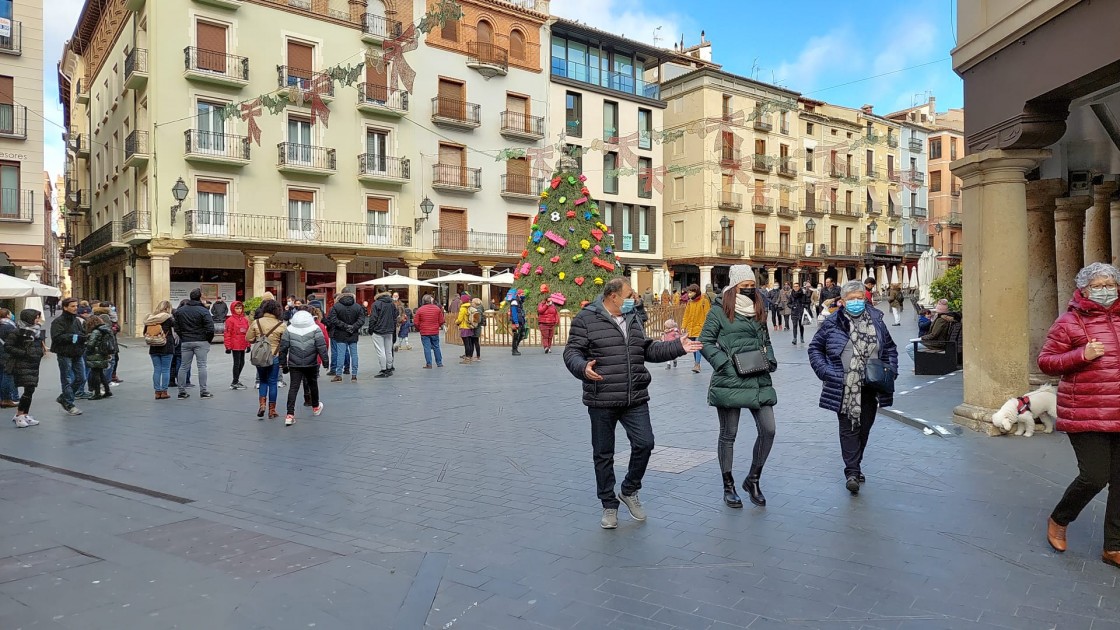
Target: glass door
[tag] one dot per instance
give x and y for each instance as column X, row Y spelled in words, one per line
column 376, row 152
column 9, row 191
column 299, row 141
column 300, row 225
column 211, row 215
column 211, row 128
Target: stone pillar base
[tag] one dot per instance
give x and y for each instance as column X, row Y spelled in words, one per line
column 978, row 419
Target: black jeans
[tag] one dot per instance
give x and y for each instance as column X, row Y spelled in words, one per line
column 853, row 443
column 1098, row 460
column 635, row 420
column 729, row 429
column 776, row 317
column 468, row 347
column 97, row 381
column 238, row 364
column 517, row 336
column 798, row 325
column 24, row 405
column 309, row 376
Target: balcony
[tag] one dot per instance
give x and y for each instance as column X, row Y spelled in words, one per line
column 918, row 212
column 916, row 145
column 954, row 218
column 13, row 121
column 82, row 90
column 846, row 212
column 914, row 249
column 518, row 126
column 78, row 143
column 287, row 76
column 78, row 198
column 762, row 122
column 379, row 99
column 730, row 249
column 216, row 148
column 136, row 149
column 136, row 227
column 894, row 212
column 456, row 178
column 762, row 206
column 786, row 210
column 882, row 250
column 730, row 201
column 304, row 159
column 136, row 69
column 787, row 167
column 874, row 210
column 489, row 59
column 843, row 251
column 104, row 239
column 522, row 187
column 955, row 250
column 204, row 225
column 773, row 251
column 17, row 206
column 893, row 176
column 232, row 5
column 917, row 177
column 380, row 169
column 761, row 163
column 872, row 173
column 729, row 157
column 624, row 83
column 814, row 209
column 807, row 247
column 377, row 29
column 956, row 191
column 456, row 114
column 892, row 142
column 13, row 43
column 838, row 171
column 207, row 66
column 471, row 242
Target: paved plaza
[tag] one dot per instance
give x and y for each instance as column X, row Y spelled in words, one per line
column 464, row 498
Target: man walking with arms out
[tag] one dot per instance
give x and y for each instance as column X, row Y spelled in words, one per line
column 68, row 343
column 429, row 318
column 607, row 350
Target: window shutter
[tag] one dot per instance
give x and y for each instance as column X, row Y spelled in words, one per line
column 377, row 82
column 211, row 40
column 300, row 59
column 301, row 195
column 6, row 90
column 212, row 187
column 377, row 204
column 651, row 227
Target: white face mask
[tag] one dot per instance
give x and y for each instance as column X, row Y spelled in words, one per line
column 1104, row 296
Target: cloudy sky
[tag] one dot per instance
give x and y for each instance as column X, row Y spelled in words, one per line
column 829, row 50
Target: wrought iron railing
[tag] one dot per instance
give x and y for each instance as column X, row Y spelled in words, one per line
column 731, row 248
column 762, row 122
column 477, row 242
column 136, row 221
column 916, row 249
column 885, row 249
column 917, row 177
column 787, row 210
column 851, row 211
column 762, row 206
column 488, row 54
column 216, row 144
column 955, row 249
column 456, row 176
column 380, row 26
column 916, row 145
column 844, row 250
column 306, row 155
column 454, row 109
column 287, row 76
column 100, row 238
column 385, row 166
column 892, row 141
column 373, row 94
column 522, row 185
column 955, row 218
column 918, row 212
column 787, row 167
column 13, row 44
column 729, row 155
column 17, row 205
column 13, row 121
column 257, row 228
column 136, row 143
column 730, row 200
column 200, row 60
column 136, row 61
column 761, row 163
column 78, row 141
column 518, row 122
column 773, row 250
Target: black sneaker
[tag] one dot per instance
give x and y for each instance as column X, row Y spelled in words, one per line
column 183, row 395
column 206, row 395
column 353, row 379
column 331, row 373
column 852, row 484
column 861, row 478
column 516, row 353
column 382, row 374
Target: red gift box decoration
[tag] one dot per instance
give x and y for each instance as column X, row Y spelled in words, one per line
column 555, row 238
column 554, row 259
column 571, row 214
column 599, row 262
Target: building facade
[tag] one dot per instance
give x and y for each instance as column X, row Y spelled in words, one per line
column 23, row 244
column 915, row 195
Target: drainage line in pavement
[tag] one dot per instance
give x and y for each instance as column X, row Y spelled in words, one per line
column 95, row 479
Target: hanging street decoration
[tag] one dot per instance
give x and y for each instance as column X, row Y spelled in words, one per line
column 249, row 113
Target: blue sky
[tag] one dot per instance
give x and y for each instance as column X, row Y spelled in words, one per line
column 804, row 45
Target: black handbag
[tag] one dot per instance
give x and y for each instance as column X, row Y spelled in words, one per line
column 750, row 363
column 878, row 376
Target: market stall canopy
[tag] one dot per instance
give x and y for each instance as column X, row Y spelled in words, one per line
column 13, row 287
column 395, row 280
column 459, row 276
column 502, row 278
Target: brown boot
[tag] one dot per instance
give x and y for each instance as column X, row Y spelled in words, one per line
column 158, row 397
column 260, row 410
column 272, row 411
column 1056, row 536
column 1111, row 557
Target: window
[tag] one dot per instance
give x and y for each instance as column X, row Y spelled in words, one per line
column 832, row 237
column 484, row 32
column 627, row 235
column 952, row 148
column 645, row 178
column 726, row 106
column 645, row 227
column 573, row 113
column 211, row 198
column 848, row 165
column 890, row 165
column 869, row 165
column 809, row 160
column 516, row 44
column 759, row 237
column 9, row 190
column 299, row 140
column 377, row 220
column 810, row 196
column 7, row 105
column 518, row 178
column 450, row 30
column 678, row 233
column 809, row 128
column 301, row 205
column 784, row 121
column 210, row 137
column 848, row 200
column 783, row 239
column 848, row 238
column 935, row 148
column 608, row 213
column 610, row 121
column 211, row 42
column 645, row 129
column 610, row 173
column 870, row 131
column 935, row 181
column 377, row 150
column 301, row 61
column 678, row 189
column 452, row 99
column 451, row 167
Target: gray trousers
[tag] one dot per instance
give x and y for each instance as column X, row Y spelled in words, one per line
column 384, row 346
column 193, row 350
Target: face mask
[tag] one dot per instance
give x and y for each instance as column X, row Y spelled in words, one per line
column 1104, row 296
column 627, row 305
column 854, row 307
column 748, row 292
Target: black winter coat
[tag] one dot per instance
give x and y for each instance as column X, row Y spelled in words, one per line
column 798, row 302
column 63, row 330
column 619, row 360
column 194, row 322
column 23, row 352
column 6, row 326
column 383, row 321
column 345, row 320
column 827, row 349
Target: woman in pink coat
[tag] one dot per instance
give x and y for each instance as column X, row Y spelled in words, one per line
column 547, row 318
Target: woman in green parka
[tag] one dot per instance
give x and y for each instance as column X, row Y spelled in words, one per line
column 737, row 323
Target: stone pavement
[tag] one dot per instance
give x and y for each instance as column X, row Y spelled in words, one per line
column 465, row 498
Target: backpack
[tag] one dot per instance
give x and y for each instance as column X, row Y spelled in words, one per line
column 107, row 345
column 474, row 317
column 260, row 353
column 154, row 335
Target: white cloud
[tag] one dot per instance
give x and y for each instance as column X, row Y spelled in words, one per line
column 628, row 18
column 830, row 55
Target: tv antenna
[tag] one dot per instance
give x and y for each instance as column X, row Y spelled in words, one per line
column 657, row 37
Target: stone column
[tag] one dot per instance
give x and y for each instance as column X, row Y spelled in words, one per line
column 881, row 277
column 770, row 275
column 1098, row 231
column 705, row 276
column 256, row 287
column 1042, row 266
column 486, row 271
column 414, row 294
column 996, row 326
column 861, row 273
column 1069, row 234
column 160, row 287
column 340, row 263
column 795, row 275
column 1114, row 208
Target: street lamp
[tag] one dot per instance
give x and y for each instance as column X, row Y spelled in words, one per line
column 724, row 222
column 426, row 206
column 810, row 225
column 873, row 226
column 179, row 192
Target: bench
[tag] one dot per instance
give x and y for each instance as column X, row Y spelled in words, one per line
column 930, row 362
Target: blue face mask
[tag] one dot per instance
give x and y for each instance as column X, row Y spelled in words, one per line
column 628, row 305
column 854, row 307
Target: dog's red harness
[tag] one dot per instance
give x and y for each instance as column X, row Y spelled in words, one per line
column 1024, row 404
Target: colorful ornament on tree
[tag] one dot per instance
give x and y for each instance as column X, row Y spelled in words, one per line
column 597, row 249
column 555, row 216
column 586, row 216
column 555, row 182
column 577, row 258
column 525, row 269
column 585, row 244
column 582, row 178
column 584, row 190
column 544, row 288
column 579, row 281
column 580, row 201
column 558, row 298
column 572, row 180
column 599, row 262
column 524, row 253
column 598, row 280
column 571, row 214
column 554, row 259
column 540, row 250
column 561, row 275
column 540, row 270
column 563, row 200
column 555, row 238
column 537, row 236
column 597, row 233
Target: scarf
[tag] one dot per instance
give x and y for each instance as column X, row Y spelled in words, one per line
column 744, row 306
column 865, row 345
column 35, row 329
column 156, row 318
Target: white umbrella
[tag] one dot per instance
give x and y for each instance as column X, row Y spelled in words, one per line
column 502, row 278
column 914, row 277
column 459, row 276
column 13, row 287
column 395, row 280
column 925, row 276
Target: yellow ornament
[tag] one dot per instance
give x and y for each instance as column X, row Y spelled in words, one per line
column 598, row 281
column 502, row 305
column 540, row 250
column 586, row 244
column 561, row 275
column 544, row 194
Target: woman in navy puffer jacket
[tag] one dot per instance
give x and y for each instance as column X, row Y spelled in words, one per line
column 839, row 353
column 1083, row 347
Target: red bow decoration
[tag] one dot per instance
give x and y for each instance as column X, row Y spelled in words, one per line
column 394, row 58
column 539, row 159
column 321, row 85
column 249, row 112
column 725, row 123
column 652, row 178
column 624, row 147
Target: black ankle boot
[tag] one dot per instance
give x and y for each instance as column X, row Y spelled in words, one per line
column 750, row 484
column 730, row 497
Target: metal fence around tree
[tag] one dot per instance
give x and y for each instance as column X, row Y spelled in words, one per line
column 496, row 330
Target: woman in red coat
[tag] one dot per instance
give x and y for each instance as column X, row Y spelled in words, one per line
column 1083, row 347
column 547, row 318
column 234, row 337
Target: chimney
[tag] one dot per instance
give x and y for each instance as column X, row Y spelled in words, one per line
column 866, row 109
column 701, row 37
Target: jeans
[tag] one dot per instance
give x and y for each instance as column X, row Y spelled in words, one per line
column 342, row 354
column 309, row 376
column 729, row 428
column 798, row 324
column 24, row 405
column 8, row 389
column 1098, row 460
column 193, row 350
column 853, row 442
column 775, row 317
column 468, row 347
column 84, row 371
column 111, row 371
column 635, row 420
column 910, row 349
column 268, row 377
column 431, row 345
column 238, row 364
column 384, row 345
column 71, row 374
column 161, row 371
column 98, row 380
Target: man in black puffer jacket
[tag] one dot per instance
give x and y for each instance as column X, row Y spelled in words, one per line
column 607, row 350
column 195, row 326
column 343, row 324
column 68, row 343
column 383, row 327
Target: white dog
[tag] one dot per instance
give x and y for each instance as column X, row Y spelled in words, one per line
column 1041, row 404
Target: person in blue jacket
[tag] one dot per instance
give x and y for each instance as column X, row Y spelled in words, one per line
column 517, row 320
column 839, row 353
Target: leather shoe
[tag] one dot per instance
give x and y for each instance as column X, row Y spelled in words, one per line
column 1056, row 536
column 1111, row 557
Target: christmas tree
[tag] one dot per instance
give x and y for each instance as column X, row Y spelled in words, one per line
column 570, row 251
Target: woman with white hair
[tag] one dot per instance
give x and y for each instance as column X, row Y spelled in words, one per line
column 857, row 361
column 1083, row 348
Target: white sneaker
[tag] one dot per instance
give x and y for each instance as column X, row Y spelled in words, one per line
column 21, row 422
column 318, row 410
column 610, row 519
column 280, row 384
column 74, row 411
column 113, row 384
column 634, row 504
column 30, row 421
